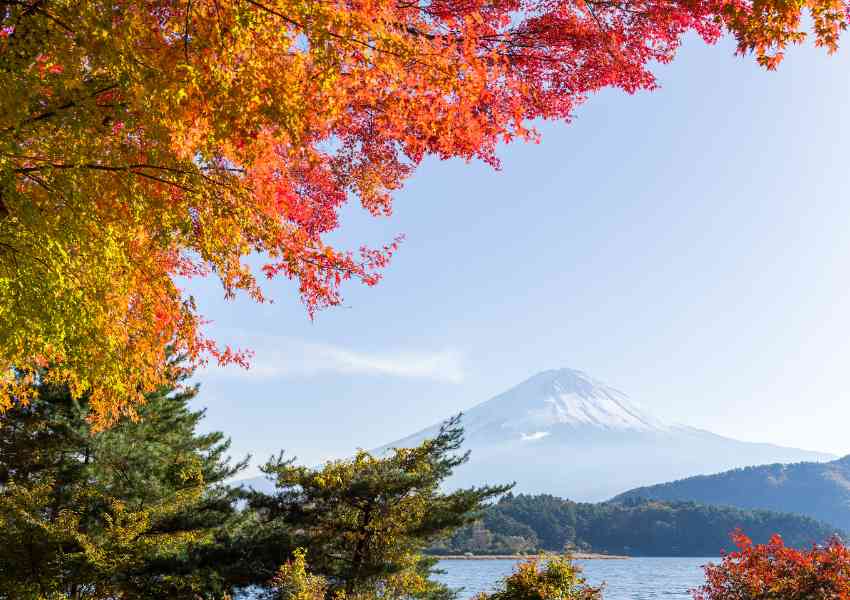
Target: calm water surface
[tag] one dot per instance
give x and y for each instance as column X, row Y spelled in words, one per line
column 629, row 579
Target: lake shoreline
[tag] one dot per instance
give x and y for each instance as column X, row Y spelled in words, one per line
column 639, row 578
column 575, row 556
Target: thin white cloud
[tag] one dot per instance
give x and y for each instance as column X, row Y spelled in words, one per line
column 282, row 357
column 531, row 437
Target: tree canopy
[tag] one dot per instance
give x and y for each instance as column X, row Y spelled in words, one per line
column 365, row 521
column 127, row 512
column 142, row 142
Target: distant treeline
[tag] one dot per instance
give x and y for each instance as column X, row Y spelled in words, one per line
column 637, row 527
column 817, row 490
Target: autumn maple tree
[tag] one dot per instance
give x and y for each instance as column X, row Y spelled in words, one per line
column 146, row 141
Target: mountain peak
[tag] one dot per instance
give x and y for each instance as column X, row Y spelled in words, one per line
column 564, row 376
column 562, row 432
column 557, row 398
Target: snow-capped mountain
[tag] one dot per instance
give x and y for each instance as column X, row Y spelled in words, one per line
column 563, row 433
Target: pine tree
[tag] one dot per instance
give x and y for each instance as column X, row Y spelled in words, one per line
column 122, row 512
column 365, row 521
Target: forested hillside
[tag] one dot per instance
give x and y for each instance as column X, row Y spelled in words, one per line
column 817, row 490
column 527, row 524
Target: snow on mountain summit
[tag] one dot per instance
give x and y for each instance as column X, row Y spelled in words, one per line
column 561, row 432
column 551, row 404
column 557, row 398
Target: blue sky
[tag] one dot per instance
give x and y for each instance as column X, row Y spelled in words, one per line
column 688, row 246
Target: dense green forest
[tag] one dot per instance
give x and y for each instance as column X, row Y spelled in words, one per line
column 526, row 524
column 817, row 490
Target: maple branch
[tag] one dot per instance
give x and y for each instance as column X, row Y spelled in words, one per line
column 29, row 7
column 39, row 181
column 14, row 251
column 56, row 20
column 343, row 38
column 623, row 6
column 7, row 252
column 603, row 30
column 52, row 112
column 186, row 29
column 161, row 180
column 109, row 168
column 131, row 168
column 35, row 8
column 323, row 264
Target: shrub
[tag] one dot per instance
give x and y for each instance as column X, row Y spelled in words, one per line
column 294, row 582
column 547, row 578
column 774, row 571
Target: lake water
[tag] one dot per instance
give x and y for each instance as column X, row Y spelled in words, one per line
column 628, row 579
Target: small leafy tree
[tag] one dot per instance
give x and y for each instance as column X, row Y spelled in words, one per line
column 365, row 521
column 294, row 582
column 548, row 578
column 774, row 571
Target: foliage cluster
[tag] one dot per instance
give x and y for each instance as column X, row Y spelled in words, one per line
column 146, row 141
column 293, row 581
column 524, row 524
column 773, row 571
column 550, row 577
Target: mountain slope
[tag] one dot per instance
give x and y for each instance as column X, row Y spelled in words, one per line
column 637, row 528
column 564, row 433
column 818, row 490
